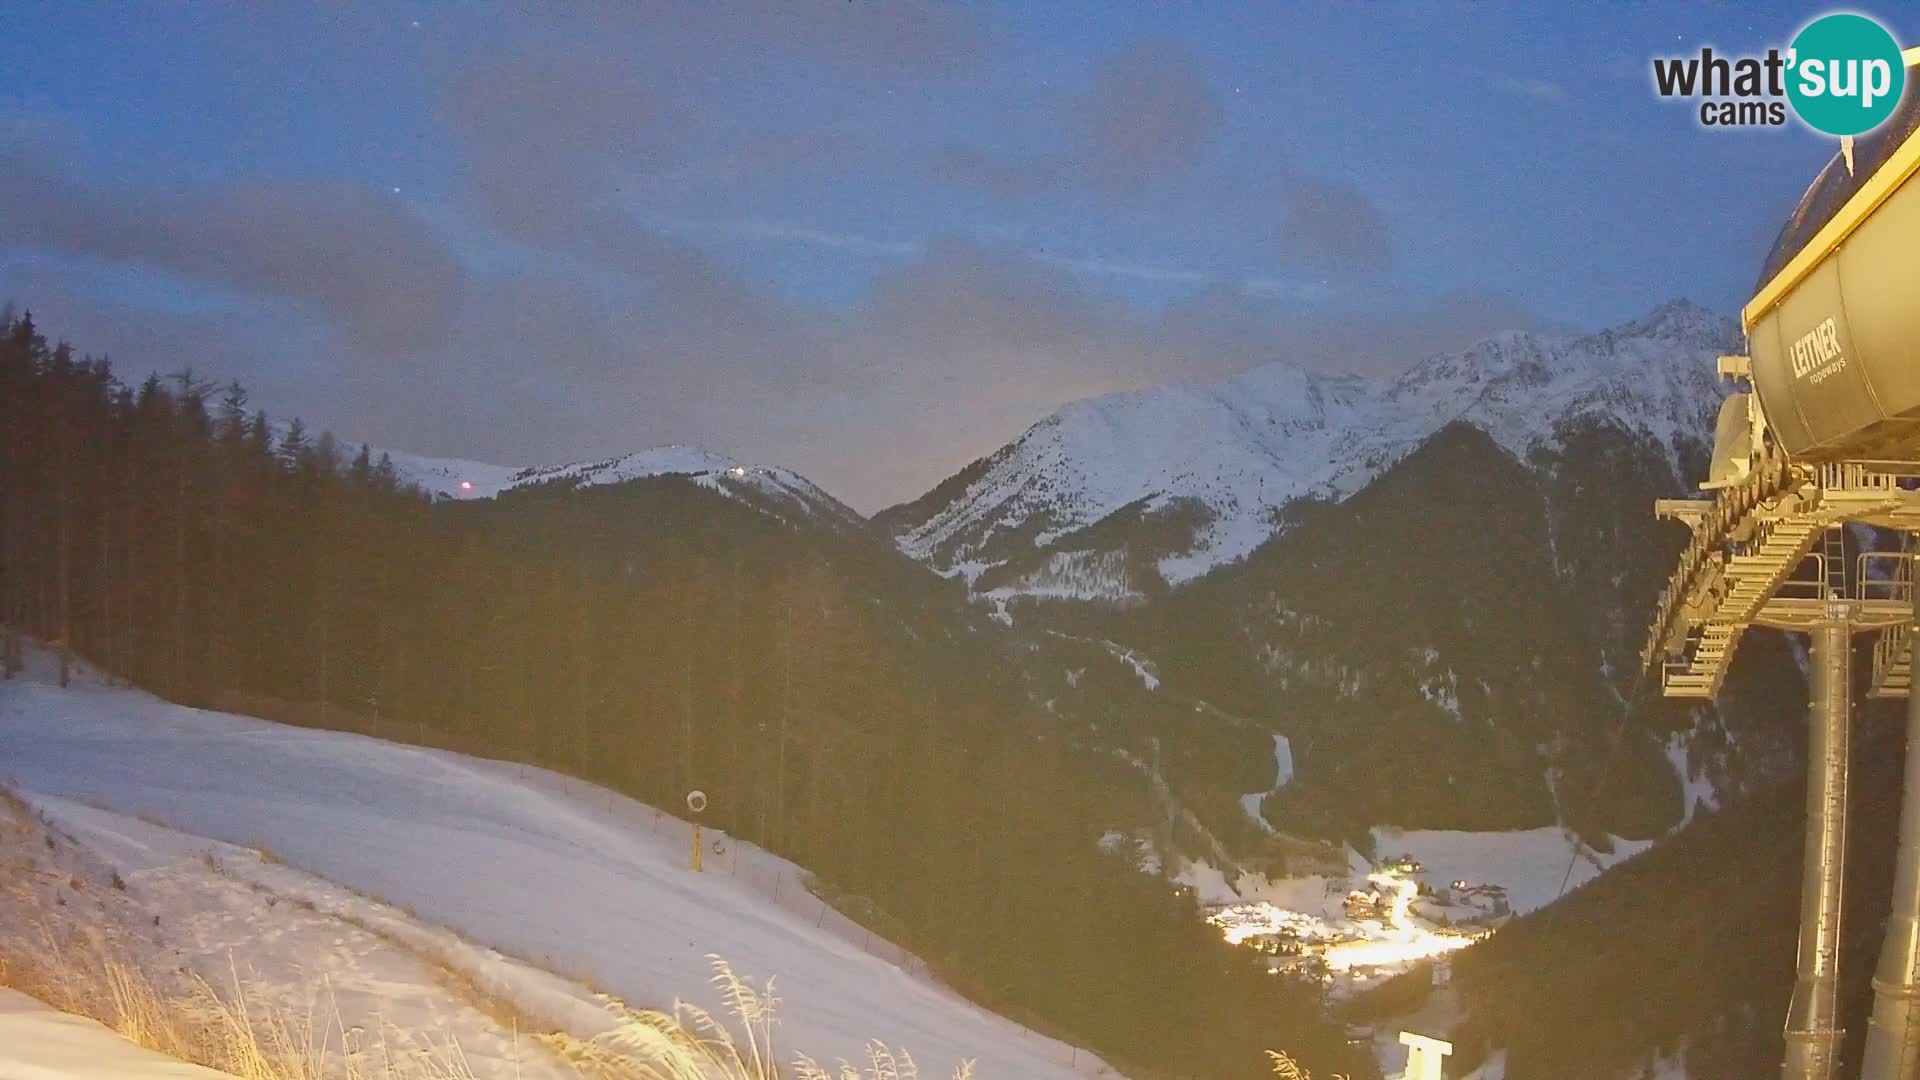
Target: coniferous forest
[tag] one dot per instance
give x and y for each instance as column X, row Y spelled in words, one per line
column 840, row 705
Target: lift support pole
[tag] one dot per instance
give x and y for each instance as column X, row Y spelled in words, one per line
column 1893, row 1033
column 1812, row 1031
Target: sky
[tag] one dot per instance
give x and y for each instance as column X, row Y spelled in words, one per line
column 870, row 241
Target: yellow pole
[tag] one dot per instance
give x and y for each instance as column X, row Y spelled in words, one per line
column 696, row 847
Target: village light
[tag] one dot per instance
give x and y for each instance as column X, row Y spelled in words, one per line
column 1393, row 937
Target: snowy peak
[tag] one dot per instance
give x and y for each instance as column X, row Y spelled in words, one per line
column 780, row 492
column 1205, row 470
column 1502, row 356
column 1680, row 321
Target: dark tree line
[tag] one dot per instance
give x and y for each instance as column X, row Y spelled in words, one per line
column 838, row 703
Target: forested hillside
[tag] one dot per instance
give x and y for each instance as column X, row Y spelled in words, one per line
column 1455, row 646
column 1687, row 953
column 840, row 704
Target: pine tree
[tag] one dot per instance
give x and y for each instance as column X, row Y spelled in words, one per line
column 260, row 438
column 326, row 454
column 295, row 452
column 233, row 415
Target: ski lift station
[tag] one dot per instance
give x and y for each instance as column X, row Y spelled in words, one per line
column 1825, row 434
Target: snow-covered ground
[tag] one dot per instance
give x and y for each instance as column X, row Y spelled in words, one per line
column 38, row 1042
column 1696, row 788
column 1529, row 864
column 582, row 886
column 1283, row 775
column 358, row 975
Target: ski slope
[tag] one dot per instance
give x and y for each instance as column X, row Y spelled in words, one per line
column 567, row 877
column 38, row 1042
column 87, row 888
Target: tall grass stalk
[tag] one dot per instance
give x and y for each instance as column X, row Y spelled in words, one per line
column 691, row 1043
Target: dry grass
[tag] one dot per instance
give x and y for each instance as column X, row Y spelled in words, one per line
column 228, row 1030
column 1286, row 1068
column 74, row 963
column 237, row 1031
column 690, row 1043
column 80, row 963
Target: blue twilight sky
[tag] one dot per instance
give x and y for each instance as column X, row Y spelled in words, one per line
column 869, row 240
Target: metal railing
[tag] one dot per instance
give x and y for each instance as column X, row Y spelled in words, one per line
column 1895, row 584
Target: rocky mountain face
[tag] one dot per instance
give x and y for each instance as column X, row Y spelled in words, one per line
column 1433, row 586
column 1119, row 497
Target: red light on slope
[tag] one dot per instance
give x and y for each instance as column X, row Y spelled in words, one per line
column 466, row 485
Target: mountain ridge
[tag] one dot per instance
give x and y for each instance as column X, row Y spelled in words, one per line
column 1214, row 466
column 772, row 488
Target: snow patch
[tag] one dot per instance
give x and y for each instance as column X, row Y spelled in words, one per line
column 1250, row 803
column 1696, row 791
column 1283, row 774
column 1282, row 762
column 1076, row 575
column 1141, row 666
column 1669, row 1067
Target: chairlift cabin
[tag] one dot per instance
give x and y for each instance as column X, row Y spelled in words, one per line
column 1834, row 325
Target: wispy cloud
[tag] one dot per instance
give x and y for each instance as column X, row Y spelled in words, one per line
column 794, row 233
column 1122, row 268
column 1095, row 265
column 1315, row 290
column 1537, row 89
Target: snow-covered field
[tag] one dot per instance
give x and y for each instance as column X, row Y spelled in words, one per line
column 1529, row 863
column 464, row 857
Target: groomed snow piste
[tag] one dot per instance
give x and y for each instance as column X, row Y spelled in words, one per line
column 569, row 878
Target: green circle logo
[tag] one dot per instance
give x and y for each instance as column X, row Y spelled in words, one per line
column 1846, row 74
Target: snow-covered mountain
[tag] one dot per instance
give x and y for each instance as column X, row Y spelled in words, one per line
column 1195, row 475
column 777, row 490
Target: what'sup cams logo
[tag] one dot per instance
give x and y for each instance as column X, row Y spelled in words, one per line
column 1842, row 75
